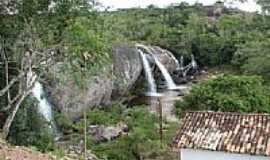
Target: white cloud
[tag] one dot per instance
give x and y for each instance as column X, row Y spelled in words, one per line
column 114, row 4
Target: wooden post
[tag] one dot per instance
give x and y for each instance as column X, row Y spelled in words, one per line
column 85, row 134
column 160, row 120
column 83, row 70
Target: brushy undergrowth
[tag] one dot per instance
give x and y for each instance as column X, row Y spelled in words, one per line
column 229, row 93
column 142, row 141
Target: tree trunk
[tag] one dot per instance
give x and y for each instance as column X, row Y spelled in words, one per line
column 11, row 83
column 11, row 117
column 7, row 77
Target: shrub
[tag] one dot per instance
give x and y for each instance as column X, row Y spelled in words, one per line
column 142, row 140
column 228, row 93
column 29, row 128
column 106, row 116
column 253, row 57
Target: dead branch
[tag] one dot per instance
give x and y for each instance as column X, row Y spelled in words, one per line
column 11, row 117
column 11, row 83
column 31, row 59
column 7, row 76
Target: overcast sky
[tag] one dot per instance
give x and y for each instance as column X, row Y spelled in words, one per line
column 114, row 4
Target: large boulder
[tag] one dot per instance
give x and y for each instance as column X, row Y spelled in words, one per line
column 99, row 89
column 106, row 133
column 114, row 82
column 166, row 58
column 71, row 99
column 127, row 67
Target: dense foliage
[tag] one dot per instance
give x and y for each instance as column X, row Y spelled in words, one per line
column 215, row 35
column 253, row 57
column 30, row 129
column 50, row 32
column 142, row 140
column 74, row 32
column 229, row 93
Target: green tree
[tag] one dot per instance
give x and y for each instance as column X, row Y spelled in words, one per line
column 229, row 94
column 253, row 57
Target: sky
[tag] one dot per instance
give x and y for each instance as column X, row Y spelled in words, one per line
column 114, row 4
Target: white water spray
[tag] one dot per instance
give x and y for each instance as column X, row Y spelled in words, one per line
column 148, row 74
column 44, row 107
column 193, row 62
column 171, row 55
column 165, row 73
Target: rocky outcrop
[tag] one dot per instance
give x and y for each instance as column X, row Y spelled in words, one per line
column 113, row 82
column 166, row 58
column 68, row 96
column 106, row 133
column 77, row 152
column 127, row 68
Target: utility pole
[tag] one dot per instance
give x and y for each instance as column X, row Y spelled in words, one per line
column 160, row 120
column 83, row 70
column 85, row 133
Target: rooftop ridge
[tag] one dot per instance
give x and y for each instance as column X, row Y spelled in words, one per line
column 224, row 131
column 229, row 113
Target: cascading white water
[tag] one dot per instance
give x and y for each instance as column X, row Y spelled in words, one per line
column 172, row 56
column 181, row 63
column 185, row 69
column 165, row 73
column 193, row 62
column 148, row 73
column 44, row 107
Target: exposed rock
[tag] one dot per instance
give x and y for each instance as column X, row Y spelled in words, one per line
column 107, row 133
column 74, row 150
column 77, row 152
column 127, row 68
column 112, row 83
column 72, row 100
column 166, row 58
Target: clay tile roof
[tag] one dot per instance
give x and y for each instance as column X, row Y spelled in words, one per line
column 227, row 132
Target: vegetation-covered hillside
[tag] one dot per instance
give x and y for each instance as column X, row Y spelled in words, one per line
column 37, row 36
column 214, row 34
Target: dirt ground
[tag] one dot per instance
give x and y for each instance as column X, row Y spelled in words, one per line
column 20, row 153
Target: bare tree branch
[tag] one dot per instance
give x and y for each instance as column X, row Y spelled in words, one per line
column 7, row 75
column 11, row 117
column 11, row 83
column 31, row 58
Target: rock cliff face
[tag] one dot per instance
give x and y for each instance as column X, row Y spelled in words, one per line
column 127, row 68
column 72, row 100
column 166, row 58
column 116, row 81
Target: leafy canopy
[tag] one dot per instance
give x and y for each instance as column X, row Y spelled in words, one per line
column 229, row 93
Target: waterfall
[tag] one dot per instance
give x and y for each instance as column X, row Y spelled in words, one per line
column 185, row 69
column 44, row 107
column 172, row 56
column 165, row 73
column 148, row 74
column 193, row 62
column 182, row 63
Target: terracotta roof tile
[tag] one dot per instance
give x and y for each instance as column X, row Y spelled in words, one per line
column 228, row 132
